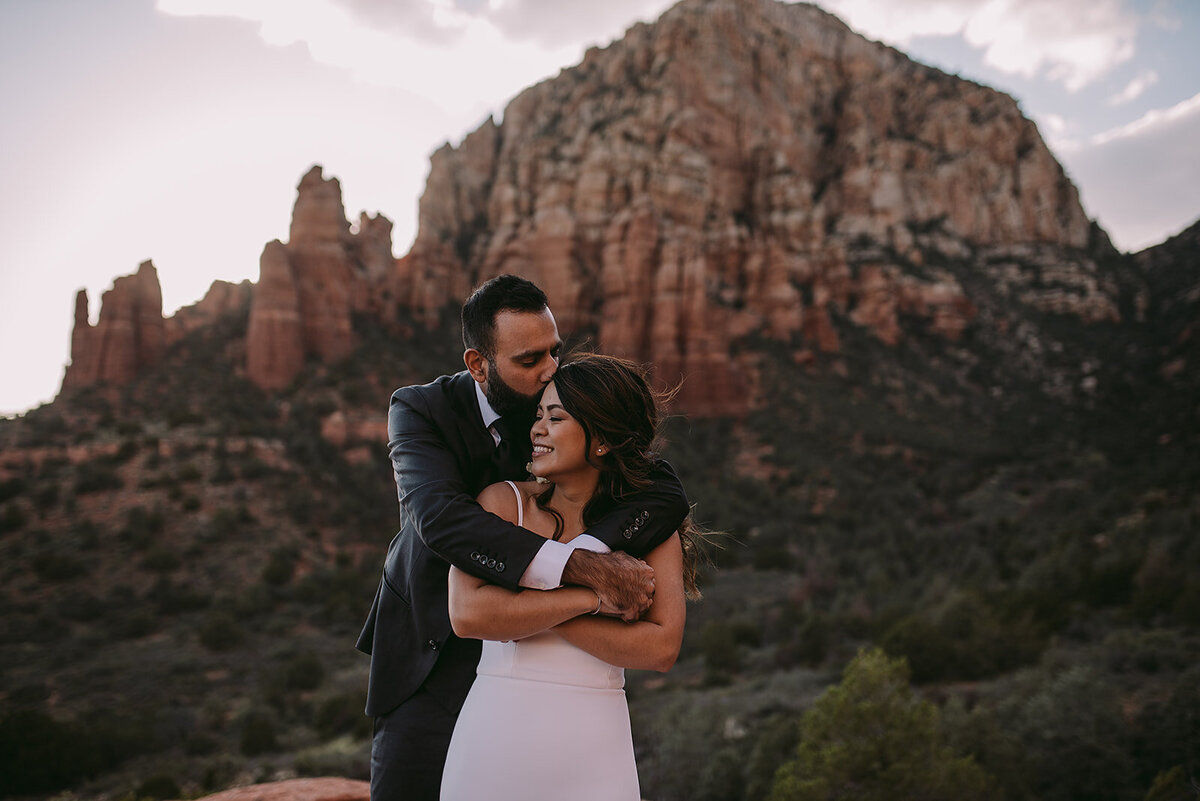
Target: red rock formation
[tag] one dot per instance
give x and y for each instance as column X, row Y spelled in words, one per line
column 222, row 298
column 741, row 168
column 746, row 167
column 323, row 789
column 128, row 338
column 317, row 281
column 274, row 337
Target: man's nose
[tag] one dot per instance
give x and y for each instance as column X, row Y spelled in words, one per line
column 549, row 369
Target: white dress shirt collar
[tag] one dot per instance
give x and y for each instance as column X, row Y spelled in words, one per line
column 485, row 409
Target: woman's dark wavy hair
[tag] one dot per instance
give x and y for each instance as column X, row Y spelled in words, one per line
column 612, row 400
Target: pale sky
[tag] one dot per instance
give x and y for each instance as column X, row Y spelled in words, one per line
column 177, row 130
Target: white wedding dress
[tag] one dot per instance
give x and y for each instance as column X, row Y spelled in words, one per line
column 543, row 721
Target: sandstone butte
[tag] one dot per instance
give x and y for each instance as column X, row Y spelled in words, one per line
column 739, row 167
column 322, row 789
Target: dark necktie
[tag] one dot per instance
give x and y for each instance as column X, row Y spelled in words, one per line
column 510, row 457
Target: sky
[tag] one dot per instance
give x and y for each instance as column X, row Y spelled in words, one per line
column 177, row 130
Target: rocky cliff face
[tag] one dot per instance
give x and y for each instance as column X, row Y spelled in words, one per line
column 739, row 169
column 745, row 167
column 310, row 287
column 128, row 338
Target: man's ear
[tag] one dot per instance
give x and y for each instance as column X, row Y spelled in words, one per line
column 476, row 365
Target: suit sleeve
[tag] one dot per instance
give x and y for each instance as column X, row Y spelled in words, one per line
column 435, row 501
column 645, row 519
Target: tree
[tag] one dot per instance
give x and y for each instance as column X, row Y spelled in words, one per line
column 871, row 738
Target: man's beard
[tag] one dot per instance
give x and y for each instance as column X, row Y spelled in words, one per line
column 505, row 400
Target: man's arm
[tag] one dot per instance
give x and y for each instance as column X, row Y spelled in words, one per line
column 645, row 519
column 642, row 522
column 434, row 499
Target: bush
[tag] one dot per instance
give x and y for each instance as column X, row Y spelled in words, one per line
column 141, row 526
column 96, row 476
column 1074, row 738
column 11, row 488
column 966, row 639
column 258, row 733
column 280, row 567
column 12, row 518
column 39, row 754
column 870, row 737
column 56, row 566
column 161, row 560
column 342, row 714
column 157, row 787
column 304, row 672
column 171, row 597
column 220, row 632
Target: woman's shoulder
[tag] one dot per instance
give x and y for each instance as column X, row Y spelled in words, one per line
column 501, row 500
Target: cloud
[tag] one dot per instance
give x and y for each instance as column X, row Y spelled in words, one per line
column 581, row 21
column 434, row 49
column 1135, row 88
column 1152, row 121
column 1074, row 42
column 1142, row 178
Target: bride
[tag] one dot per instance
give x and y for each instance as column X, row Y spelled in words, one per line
column 546, row 717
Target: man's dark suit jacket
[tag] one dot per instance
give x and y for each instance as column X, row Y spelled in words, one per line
column 442, row 458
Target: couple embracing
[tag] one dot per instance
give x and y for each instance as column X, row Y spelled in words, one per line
column 566, row 579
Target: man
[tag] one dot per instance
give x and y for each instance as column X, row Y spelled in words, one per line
column 448, row 440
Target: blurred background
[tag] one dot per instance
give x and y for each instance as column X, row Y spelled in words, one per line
column 927, row 275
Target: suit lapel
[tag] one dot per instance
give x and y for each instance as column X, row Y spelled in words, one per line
column 477, row 439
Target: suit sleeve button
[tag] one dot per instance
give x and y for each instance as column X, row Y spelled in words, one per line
column 499, row 567
column 628, row 533
column 491, row 563
column 474, row 556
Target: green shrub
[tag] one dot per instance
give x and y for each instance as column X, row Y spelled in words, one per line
column 12, row 518
column 220, row 632
column 304, row 672
column 161, row 560
column 719, row 647
column 158, row 787
column 11, row 488
column 280, row 567
column 57, row 566
column 141, row 526
column 258, row 733
column 870, row 738
column 173, row 597
column 45, row 496
column 96, row 476
column 342, row 714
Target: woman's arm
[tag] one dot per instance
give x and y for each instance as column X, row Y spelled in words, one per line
column 483, row 611
column 651, row 643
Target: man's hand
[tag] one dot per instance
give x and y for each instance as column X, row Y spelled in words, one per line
column 624, row 583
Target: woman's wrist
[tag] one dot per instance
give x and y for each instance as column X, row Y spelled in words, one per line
column 589, row 601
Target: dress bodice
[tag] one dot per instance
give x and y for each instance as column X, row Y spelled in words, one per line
column 548, row 657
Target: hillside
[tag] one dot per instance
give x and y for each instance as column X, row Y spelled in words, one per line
column 934, row 408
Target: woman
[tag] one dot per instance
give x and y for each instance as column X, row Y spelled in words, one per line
column 546, row 717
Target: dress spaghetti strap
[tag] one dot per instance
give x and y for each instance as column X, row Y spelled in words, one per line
column 520, row 504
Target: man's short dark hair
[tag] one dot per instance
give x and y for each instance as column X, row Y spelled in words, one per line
column 502, row 293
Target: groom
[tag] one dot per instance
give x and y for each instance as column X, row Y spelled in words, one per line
column 448, row 440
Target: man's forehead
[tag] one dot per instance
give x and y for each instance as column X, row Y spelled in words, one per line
column 523, row 331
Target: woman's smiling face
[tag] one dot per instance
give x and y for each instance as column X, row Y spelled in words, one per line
column 559, row 441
